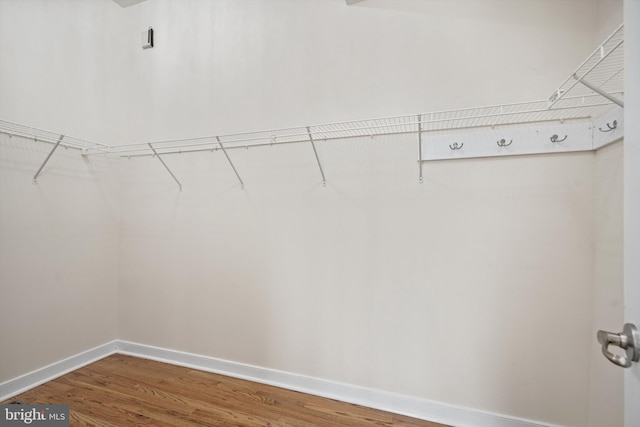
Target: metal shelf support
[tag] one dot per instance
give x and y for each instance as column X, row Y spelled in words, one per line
column 599, row 91
column 420, row 145
column 35, row 177
column 230, row 162
column 589, row 65
column 165, row 165
column 324, row 180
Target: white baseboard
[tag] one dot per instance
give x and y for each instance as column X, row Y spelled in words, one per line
column 396, row 403
column 378, row 399
column 39, row 376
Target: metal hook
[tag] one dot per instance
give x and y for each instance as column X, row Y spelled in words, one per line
column 610, row 128
column 503, row 143
column 554, row 138
column 456, row 146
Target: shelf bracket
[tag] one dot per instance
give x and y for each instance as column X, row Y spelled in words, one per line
column 324, row 180
column 420, row 145
column 35, row 177
column 560, row 93
column 155, row 153
column 599, row 91
column 230, row 162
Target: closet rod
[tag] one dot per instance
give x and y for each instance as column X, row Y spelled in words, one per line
column 145, row 153
column 318, row 128
column 48, row 140
column 325, row 134
column 37, row 134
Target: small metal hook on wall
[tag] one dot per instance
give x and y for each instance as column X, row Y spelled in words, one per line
column 554, row 138
column 456, row 146
column 610, row 127
column 503, row 143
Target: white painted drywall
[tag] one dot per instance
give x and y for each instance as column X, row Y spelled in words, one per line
column 58, row 255
column 59, row 238
column 609, row 17
column 227, row 66
column 64, row 67
column 454, row 290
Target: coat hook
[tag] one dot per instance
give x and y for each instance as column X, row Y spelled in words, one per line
column 554, row 138
column 610, row 127
column 503, row 143
column 456, row 146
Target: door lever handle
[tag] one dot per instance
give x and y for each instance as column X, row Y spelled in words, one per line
column 628, row 340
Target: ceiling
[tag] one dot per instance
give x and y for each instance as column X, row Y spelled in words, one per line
column 127, row 3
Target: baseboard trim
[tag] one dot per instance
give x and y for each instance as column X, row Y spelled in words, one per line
column 40, row 376
column 396, row 403
column 378, row 399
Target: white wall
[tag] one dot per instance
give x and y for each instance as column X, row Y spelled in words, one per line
column 65, row 66
column 59, row 238
column 228, row 66
column 58, row 255
column 372, row 280
column 610, row 16
column 451, row 290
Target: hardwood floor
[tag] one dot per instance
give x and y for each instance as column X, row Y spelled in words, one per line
column 128, row 391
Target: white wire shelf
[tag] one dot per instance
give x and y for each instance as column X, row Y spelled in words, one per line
column 569, row 108
column 30, row 132
column 591, row 90
column 602, row 73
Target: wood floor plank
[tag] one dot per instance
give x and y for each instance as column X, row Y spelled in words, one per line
column 233, row 392
column 128, row 391
column 80, row 419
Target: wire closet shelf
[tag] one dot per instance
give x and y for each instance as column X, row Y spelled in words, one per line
column 591, row 89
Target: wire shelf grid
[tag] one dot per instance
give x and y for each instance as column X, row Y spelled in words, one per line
column 574, row 99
